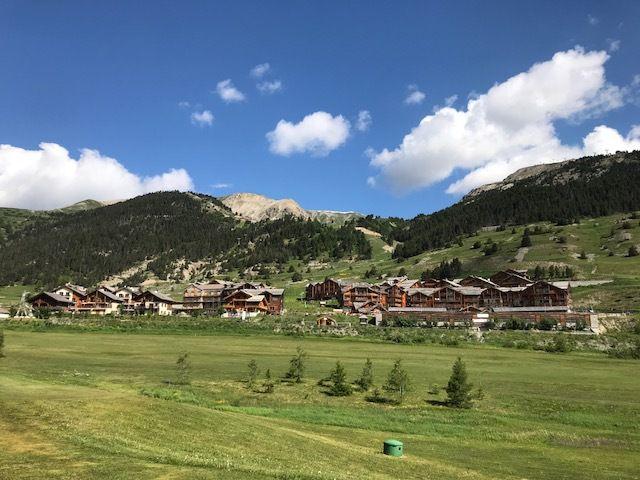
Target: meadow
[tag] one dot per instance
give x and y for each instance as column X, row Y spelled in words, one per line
column 101, row 405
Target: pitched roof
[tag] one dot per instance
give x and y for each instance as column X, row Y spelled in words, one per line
column 53, row 296
column 416, row 309
column 160, row 296
column 108, row 294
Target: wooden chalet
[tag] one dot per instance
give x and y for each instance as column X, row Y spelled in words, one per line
column 75, row 293
column 544, row 294
column 204, row 296
column 362, row 293
column 254, row 301
column 51, row 301
column 420, row 297
column 154, row 302
column 100, row 302
column 328, row 289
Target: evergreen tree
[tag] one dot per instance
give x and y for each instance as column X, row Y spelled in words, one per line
column 633, row 251
column 1, row 344
column 338, row 378
column 459, row 389
column 526, row 240
column 253, row 373
column 297, row 366
column 365, row 381
column 398, row 381
column 183, row 369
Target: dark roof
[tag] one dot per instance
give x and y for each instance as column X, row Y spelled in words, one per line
column 52, row 296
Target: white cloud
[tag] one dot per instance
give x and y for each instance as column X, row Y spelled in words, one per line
column 220, row 186
column 371, row 182
column 184, row 104
column 593, row 20
column 364, row 120
column 318, row 133
column 613, row 45
column 204, row 118
column 260, row 70
column 49, row 178
column 269, row 87
column 228, row 92
column 509, row 127
column 414, row 96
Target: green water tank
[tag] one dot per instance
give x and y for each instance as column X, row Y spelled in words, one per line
column 393, row 447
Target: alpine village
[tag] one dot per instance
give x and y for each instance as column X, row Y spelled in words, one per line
column 319, row 240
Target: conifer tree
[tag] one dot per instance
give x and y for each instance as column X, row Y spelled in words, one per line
column 365, row 381
column 338, row 377
column 398, row 381
column 459, row 389
column 297, row 365
column 183, row 369
column 253, row 373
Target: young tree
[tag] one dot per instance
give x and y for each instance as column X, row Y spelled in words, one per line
column 268, row 384
column 398, row 381
column 526, row 240
column 583, row 255
column 297, row 365
column 1, row 344
column 338, row 378
column 365, row 381
column 183, row 369
column 253, row 374
column 459, row 389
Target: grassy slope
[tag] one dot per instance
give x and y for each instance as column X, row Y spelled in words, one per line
column 71, row 407
column 590, row 236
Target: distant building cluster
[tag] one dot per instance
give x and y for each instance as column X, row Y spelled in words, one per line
column 505, row 291
column 230, row 299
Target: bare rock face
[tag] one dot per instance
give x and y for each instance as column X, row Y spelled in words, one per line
column 254, row 208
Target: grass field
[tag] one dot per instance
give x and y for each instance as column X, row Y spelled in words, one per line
column 93, row 405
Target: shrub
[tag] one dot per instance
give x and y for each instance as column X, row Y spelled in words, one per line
column 558, row 345
column 633, row 251
column 547, row 324
column 268, row 385
column 296, row 277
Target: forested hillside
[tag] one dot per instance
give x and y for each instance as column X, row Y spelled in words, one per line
column 164, row 231
column 587, row 187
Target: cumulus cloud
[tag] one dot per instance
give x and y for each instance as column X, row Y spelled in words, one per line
column 202, row 119
column 509, row 127
column 269, row 87
column 50, row 178
column 364, row 120
column 414, row 96
column 228, row 92
column 261, row 70
column 318, row 133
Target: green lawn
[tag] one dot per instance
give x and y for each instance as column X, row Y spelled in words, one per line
column 91, row 405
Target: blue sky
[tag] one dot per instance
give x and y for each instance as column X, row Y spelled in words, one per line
column 125, row 78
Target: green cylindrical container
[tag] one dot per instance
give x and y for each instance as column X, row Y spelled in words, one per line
column 395, row 448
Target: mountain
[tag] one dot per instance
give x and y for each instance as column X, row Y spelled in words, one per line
column 561, row 193
column 255, row 208
column 167, row 234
